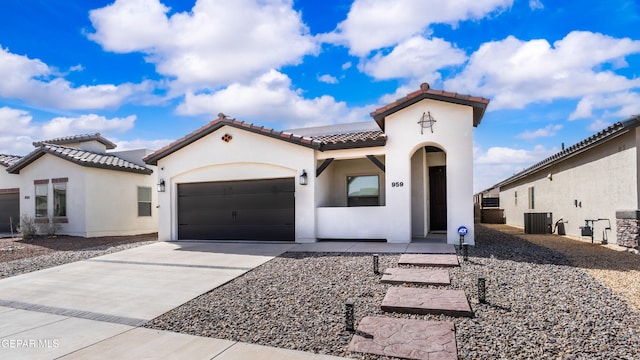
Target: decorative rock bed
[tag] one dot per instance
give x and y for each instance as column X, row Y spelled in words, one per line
column 538, row 305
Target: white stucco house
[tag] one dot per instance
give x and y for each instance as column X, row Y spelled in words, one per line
column 9, row 195
column 402, row 176
column 592, row 184
column 75, row 183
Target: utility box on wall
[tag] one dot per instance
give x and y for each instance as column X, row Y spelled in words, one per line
column 538, row 223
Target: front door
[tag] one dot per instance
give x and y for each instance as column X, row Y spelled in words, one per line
column 438, row 198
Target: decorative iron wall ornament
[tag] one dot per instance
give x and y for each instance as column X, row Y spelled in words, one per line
column 426, row 122
column 226, row 138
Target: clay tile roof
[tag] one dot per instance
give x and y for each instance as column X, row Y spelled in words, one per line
column 80, row 157
column 479, row 104
column 333, row 142
column 352, row 140
column 77, row 139
column 8, row 160
column 592, row 141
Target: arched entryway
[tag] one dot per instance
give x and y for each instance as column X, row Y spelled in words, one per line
column 428, row 192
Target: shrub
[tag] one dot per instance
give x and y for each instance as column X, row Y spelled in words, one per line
column 50, row 228
column 28, row 227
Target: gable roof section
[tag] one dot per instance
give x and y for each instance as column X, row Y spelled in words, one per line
column 79, row 157
column 78, row 139
column 601, row 137
column 478, row 103
column 322, row 143
column 8, row 160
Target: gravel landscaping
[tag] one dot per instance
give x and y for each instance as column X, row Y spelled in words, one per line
column 541, row 304
column 18, row 256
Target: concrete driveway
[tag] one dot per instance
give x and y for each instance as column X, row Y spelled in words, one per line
column 91, row 309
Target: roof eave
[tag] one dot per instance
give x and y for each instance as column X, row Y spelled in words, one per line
column 478, row 107
column 353, row 145
column 39, row 152
column 152, row 159
column 25, row 161
column 545, row 165
column 80, row 139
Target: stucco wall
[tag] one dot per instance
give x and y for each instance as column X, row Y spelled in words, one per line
column 7, row 180
column 419, row 195
column 247, row 156
column 601, row 181
column 453, row 133
column 112, row 203
column 99, row 202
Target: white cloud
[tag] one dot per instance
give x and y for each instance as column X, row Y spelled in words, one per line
column 34, row 82
column 536, row 5
column 547, row 131
column 326, row 78
column 598, row 125
column 19, row 130
column 346, row 65
column 500, row 163
column 78, row 67
column 416, row 57
column 270, row 98
column 515, row 73
column 502, row 155
column 216, row 43
column 402, row 91
column 618, row 105
column 14, row 121
column 135, row 144
column 376, row 24
column 90, row 123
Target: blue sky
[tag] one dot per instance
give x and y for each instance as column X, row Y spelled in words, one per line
column 146, row 72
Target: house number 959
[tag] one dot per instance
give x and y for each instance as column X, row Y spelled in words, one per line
column 397, row 184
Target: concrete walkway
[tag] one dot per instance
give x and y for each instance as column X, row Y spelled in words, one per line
column 92, row 309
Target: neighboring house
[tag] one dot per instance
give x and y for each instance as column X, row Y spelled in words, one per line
column 75, row 183
column 487, row 207
column 9, row 195
column 595, row 179
column 405, row 175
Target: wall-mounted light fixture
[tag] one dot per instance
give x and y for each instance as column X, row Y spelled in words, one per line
column 304, row 178
column 161, row 186
column 550, row 177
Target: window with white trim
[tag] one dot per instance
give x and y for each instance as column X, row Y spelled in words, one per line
column 532, row 203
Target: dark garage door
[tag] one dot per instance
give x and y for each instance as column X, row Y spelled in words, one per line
column 237, row 210
column 9, row 208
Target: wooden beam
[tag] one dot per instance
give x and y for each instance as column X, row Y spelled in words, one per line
column 376, row 162
column 323, row 166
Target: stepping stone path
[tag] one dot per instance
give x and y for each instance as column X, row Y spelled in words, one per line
column 416, row 276
column 441, row 260
column 411, row 339
column 426, row 301
column 415, row 339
